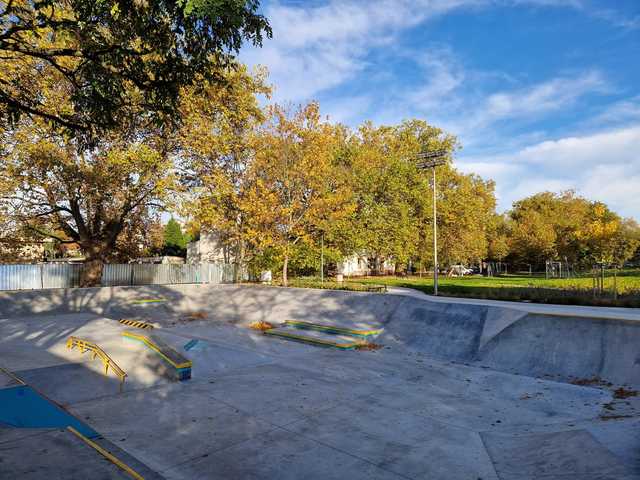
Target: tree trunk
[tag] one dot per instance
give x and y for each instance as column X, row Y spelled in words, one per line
column 285, row 267
column 91, row 273
column 239, row 254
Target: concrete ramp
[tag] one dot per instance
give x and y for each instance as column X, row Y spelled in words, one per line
column 567, row 347
column 447, row 332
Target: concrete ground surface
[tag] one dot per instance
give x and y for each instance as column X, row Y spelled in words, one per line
column 456, row 391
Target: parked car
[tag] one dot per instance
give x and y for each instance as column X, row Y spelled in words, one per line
column 459, row 271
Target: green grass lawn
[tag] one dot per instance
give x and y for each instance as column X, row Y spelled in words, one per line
column 573, row 291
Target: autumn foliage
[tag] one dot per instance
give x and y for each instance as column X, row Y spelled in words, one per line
column 275, row 183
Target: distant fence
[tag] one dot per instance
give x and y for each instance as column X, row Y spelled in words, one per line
column 53, row 275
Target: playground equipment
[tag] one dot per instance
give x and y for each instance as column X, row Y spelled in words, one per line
column 85, row 345
column 289, row 328
column 181, row 364
column 136, row 324
column 555, row 269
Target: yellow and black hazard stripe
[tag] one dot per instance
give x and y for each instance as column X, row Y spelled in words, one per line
column 136, row 324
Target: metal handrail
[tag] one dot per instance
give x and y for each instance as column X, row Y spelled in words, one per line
column 108, row 362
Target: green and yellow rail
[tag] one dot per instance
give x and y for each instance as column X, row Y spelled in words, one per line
column 144, row 301
column 87, row 346
column 168, row 354
column 313, row 341
column 332, row 329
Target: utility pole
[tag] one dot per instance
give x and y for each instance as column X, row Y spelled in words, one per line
column 431, row 160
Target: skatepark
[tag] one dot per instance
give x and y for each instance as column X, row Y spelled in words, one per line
column 172, row 382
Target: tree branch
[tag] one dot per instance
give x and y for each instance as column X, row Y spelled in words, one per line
column 49, row 234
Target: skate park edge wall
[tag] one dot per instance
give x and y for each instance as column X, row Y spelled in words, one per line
column 563, row 348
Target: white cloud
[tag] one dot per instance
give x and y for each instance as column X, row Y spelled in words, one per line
column 617, row 185
column 609, row 15
column 616, row 18
column 550, row 3
column 587, row 151
column 619, row 112
column 320, row 47
column 603, row 166
column 493, row 119
column 443, row 74
column 448, row 99
column 317, row 47
column 541, row 98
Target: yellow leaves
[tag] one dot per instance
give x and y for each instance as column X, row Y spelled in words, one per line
column 24, row 76
column 216, row 141
column 289, row 179
column 600, row 223
column 567, row 226
column 115, row 10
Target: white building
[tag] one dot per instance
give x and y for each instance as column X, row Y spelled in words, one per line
column 360, row 265
column 208, row 249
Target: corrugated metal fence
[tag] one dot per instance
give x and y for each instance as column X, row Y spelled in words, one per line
column 52, row 275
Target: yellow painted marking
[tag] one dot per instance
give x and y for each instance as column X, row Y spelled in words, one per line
column 108, row 455
column 149, row 343
column 86, row 346
column 136, row 324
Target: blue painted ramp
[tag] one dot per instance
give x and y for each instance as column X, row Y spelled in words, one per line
column 23, row 407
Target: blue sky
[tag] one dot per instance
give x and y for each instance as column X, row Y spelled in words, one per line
column 543, row 94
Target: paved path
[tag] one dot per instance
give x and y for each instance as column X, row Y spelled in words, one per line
column 602, row 312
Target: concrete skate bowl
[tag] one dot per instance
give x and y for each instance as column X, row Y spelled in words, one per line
column 562, row 348
column 558, row 347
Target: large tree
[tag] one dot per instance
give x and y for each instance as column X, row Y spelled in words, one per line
column 294, row 191
column 175, row 242
column 62, row 191
column 394, row 215
column 98, row 52
column 384, row 181
column 215, row 150
column 566, row 227
column 465, row 217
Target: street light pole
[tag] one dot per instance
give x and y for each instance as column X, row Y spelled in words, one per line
column 435, row 237
column 322, row 259
column 432, row 160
